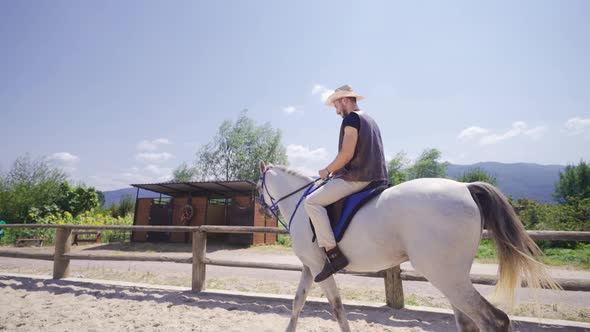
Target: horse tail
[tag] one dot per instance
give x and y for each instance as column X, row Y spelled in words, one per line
column 517, row 252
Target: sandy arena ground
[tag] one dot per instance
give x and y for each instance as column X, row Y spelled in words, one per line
column 31, row 301
column 41, row 304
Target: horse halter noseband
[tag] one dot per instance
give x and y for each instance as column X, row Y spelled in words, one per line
column 274, row 207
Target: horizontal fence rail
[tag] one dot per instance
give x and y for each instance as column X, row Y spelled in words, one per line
column 141, row 258
column 535, row 235
column 392, row 277
column 30, row 255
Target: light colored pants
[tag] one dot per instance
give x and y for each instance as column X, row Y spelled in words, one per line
column 315, row 204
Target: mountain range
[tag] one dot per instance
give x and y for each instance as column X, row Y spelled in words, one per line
column 520, row 180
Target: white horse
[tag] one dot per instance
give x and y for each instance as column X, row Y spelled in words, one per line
column 434, row 223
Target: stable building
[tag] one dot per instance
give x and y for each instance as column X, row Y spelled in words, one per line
column 230, row 203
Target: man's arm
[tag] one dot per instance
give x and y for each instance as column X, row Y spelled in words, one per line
column 345, row 154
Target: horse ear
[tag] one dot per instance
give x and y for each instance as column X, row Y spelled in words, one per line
column 262, row 166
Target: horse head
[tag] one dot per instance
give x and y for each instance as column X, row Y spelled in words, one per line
column 261, row 189
column 278, row 184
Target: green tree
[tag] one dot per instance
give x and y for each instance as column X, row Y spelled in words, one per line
column 29, row 184
column 397, row 168
column 533, row 214
column 428, row 166
column 477, row 174
column 236, row 150
column 77, row 200
column 126, row 206
column 100, row 196
column 574, row 183
column 184, row 173
column 32, row 190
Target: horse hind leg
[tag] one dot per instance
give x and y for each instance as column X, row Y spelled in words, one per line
column 474, row 310
column 452, row 279
column 331, row 290
column 299, row 301
column 464, row 323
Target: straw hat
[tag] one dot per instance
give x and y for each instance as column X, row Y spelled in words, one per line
column 341, row 92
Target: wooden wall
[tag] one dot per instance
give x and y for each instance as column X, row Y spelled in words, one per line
column 199, row 205
column 142, row 218
column 260, row 219
column 240, row 213
column 144, row 206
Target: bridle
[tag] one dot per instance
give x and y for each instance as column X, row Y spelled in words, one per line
column 274, row 207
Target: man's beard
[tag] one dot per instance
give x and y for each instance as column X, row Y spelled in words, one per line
column 343, row 113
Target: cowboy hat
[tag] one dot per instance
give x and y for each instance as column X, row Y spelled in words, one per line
column 341, row 92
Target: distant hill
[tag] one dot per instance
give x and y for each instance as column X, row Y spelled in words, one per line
column 114, row 196
column 521, row 180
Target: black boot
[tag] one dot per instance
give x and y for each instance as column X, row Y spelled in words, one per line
column 336, row 261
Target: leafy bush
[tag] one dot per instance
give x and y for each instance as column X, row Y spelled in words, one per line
column 32, row 190
column 284, row 240
column 486, row 249
column 87, row 218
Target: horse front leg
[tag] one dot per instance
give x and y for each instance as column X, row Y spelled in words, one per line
column 300, row 296
column 333, row 294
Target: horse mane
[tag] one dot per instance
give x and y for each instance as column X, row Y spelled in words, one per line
column 292, row 172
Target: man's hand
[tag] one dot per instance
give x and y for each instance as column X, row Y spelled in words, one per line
column 324, row 173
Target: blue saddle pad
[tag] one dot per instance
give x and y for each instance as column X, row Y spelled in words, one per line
column 341, row 212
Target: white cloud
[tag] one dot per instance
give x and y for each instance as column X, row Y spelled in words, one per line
column 148, row 174
column 153, row 145
column 289, row 109
column 162, row 141
column 64, row 160
column 577, row 125
column 158, row 171
column 322, row 91
column 536, row 133
column 146, row 146
column 306, row 160
column 471, row 132
column 153, row 157
column 517, row 129
column 486, row 138
column 64, row 157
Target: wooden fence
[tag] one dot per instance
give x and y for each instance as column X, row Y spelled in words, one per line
column 392, row 277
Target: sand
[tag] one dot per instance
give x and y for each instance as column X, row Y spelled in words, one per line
column 33, row 303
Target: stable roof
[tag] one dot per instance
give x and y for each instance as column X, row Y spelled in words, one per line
column 216, row 189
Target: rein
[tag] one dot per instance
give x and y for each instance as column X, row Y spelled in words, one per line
column 274, row 207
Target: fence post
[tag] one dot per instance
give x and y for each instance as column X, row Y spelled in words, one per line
column 394, row 292
column 199, row 251
column 63, row 244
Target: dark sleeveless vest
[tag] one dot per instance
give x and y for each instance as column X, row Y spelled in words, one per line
column 368, row 161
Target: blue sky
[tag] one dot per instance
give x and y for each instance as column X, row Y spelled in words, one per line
column 120, row 92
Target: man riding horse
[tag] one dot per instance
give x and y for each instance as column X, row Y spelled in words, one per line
column 359, row 162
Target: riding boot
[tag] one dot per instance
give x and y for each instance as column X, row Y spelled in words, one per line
column 335, row 262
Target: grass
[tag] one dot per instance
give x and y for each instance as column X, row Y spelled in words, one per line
column 283, row 245
column 284, row 240
column 577, row 258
